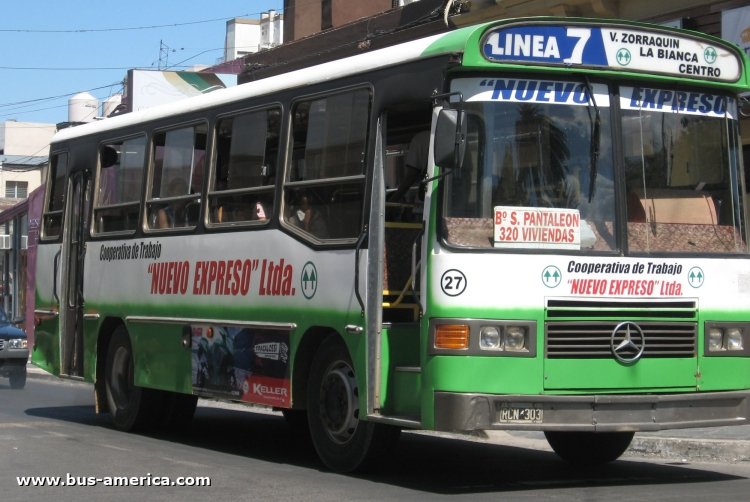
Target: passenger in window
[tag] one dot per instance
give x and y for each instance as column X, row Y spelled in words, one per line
column 260, row 212
column 174, row 214
column 415, row 163
column 309, row 218
column 247, row 212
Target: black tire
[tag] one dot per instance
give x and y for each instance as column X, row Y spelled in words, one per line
column 589, row 448
column 343, row 442
column 296, row 420
column 132, row 408
column 17, row 379
column 179, row 411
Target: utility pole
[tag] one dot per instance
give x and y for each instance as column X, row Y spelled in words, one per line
column 163, row 55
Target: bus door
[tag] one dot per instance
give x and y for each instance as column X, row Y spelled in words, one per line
column 394, row 246
column 71, row 287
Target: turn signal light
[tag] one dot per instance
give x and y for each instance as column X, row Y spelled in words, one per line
column 452, row 336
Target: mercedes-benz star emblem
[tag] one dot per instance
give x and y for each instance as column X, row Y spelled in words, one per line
column 627, row 342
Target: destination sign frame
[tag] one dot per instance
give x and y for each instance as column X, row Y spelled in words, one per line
column 614, row 47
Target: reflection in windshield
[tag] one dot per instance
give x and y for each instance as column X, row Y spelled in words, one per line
column 681, row 173
column 533, row 155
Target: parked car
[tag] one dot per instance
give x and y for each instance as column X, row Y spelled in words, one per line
column 14, row 352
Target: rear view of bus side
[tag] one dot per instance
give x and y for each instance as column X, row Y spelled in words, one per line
column 572, row 258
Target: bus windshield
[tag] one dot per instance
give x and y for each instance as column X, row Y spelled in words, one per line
column 682, row 179
column 539, row 170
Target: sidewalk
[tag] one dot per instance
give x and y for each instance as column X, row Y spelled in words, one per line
column 710, row 444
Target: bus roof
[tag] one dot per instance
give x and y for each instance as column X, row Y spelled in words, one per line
column 466, row 40
column 381, row 58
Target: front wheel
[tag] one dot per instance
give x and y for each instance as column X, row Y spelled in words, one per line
column 589, row 448
column 17, row 379
column 343, row 441
column 131, row 407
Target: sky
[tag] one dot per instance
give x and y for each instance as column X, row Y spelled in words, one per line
column 51, row 50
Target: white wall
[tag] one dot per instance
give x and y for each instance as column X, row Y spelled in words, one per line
column 26, row 138
column 32, row 177
column 243, row 37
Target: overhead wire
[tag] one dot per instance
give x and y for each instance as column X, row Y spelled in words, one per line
column 20, row 105
column 127, row 28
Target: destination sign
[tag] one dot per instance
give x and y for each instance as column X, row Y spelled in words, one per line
column 517, row 90
column 614, row 48
column 527, row 227
column 676, row 101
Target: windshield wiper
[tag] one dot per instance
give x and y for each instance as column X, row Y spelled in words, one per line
column 595, row 126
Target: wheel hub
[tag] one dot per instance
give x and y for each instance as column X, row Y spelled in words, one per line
column 339, row 402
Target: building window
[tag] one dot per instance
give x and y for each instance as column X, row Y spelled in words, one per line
column 16, row 189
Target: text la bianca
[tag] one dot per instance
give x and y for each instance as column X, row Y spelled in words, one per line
column 222, row 277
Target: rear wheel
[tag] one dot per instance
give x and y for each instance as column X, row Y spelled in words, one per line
column 589, row 448
column 17, row 378
column 131, row 407
column 343, row 441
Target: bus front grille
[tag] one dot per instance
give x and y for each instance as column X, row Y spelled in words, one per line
column 594, row 339
column 584, row 328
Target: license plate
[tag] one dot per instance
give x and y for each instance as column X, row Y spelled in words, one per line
column 518, row 413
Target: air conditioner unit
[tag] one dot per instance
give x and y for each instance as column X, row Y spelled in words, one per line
column 24, row 242
column 6, row 242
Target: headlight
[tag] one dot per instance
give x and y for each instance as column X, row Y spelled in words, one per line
column 715, row 339
column 490, row 339
column 485, row 337
column 733, row 339
column 515, row 339
column 17, row 343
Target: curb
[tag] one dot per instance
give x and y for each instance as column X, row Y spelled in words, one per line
column 33, row 371
column 693, row 450
column 679, row 449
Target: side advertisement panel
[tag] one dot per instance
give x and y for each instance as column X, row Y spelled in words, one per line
column 245, row 364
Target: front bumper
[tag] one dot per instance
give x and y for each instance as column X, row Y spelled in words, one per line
column 593, row 413
column 12, row 360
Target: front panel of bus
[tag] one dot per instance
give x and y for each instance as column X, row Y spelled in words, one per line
column 593, row 240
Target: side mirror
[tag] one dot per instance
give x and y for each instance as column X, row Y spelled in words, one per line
column 450, row 139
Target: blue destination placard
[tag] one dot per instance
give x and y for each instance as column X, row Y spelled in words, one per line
column 612, row 47
column 546, row 44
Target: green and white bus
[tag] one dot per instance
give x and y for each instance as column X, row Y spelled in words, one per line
column 573, row 259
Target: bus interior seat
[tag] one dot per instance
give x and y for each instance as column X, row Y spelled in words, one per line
column 674, row 206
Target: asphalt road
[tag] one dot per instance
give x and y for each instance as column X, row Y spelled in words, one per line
column 50, row 429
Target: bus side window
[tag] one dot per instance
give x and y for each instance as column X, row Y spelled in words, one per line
column 177, row 178
column 118, row 185
column 244, row 178
column 53, row 210
column 324, row 188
